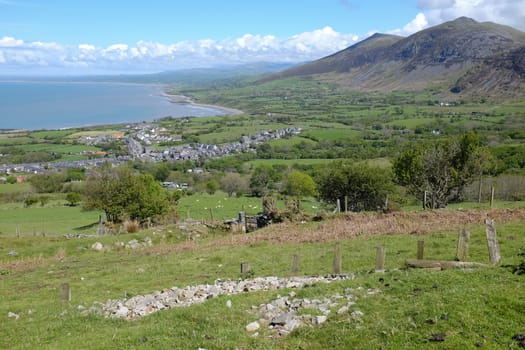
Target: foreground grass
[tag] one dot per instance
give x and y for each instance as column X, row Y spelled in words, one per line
column 470, row 308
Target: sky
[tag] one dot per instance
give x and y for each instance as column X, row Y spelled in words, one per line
column 67, row 37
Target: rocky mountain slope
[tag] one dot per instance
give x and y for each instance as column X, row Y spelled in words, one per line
column 461, row 56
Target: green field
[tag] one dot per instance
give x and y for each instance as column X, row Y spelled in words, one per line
column 402, row 309
column 221, row 207
column 54, row 218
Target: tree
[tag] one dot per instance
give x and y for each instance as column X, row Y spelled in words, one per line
column 234, row 183
column 442, row 170
column 299, row 184
column 75, row 174
column 122, row 194
column 263, row 180
column 73, row 198
column 47, row 183
column 212, row 186
column 365, row 187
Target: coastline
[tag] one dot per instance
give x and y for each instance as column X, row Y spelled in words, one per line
column 182, row 100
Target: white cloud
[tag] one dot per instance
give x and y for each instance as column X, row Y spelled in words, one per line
column 8, row 41
column 152, row 56
column 418, row 23
column 86, row 47
column 509, row 12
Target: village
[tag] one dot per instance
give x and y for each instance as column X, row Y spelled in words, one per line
column 141, row 140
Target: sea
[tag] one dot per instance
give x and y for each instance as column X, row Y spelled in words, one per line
column 57, row 105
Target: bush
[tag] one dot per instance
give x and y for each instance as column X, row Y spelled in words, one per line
column 29, row 201
column 131, row 226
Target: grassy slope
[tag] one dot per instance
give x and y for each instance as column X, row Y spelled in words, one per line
column 485, row 305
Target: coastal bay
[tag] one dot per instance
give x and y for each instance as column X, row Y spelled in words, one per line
column 56, row 105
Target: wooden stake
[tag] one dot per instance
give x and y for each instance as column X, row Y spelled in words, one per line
column 65, row 292
column 380, row 258
column 245, row 269
column 420, row 249
column 295, row 264
column 492, row 242
column 491, row 196
column 337, row 259
column 463, row 240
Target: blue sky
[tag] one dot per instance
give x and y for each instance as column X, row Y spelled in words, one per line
column 125, row 36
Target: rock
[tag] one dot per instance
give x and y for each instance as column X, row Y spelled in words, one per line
column 438, row 337
column 228, row 304
column 122, row 312
column 13, row 315
column 97, row 246
column 281, row 319
column 133, row 244
column 13, row 253
column 293, row 324
column 520, row 338
column 319, row 320
column 252, row 327
column 342, row 310
column 357, row 313
column 148, row 242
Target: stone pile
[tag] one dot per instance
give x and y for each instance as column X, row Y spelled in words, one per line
column 133, row 244
column 142, row 305
column 287, row 313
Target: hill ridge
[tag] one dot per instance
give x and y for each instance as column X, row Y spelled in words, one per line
column 456, row 54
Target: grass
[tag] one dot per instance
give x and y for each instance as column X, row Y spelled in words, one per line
column 409, row 306
column 54, row 218
column 202, row 206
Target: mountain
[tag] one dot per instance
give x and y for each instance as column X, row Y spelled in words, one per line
column 194, row 76
column 461, row 56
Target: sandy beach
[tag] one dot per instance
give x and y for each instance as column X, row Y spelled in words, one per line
column 181, row 99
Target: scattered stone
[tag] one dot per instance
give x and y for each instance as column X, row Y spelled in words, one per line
column 520, row 338
column 133, row 244
column 357, row 313
column 252, row 327
column 147, row 242
column 281, row 320
column 319, row 319
column 13, row 253
column 13, row 315
column 139, row 305
column 438, row 337
column 342, row 310
column 97, row 246
column 229, row 304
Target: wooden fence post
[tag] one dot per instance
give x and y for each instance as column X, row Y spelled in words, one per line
column 295, row 264
column 492, row 242
column 346, row 204
column 420, row 249
column 380, row 258
column 245, row 269
column 338, row 205
column 463, row 240
column 337, row 259
column 491, row 195
column 65, row 292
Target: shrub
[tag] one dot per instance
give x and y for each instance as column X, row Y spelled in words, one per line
column 131, row 226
